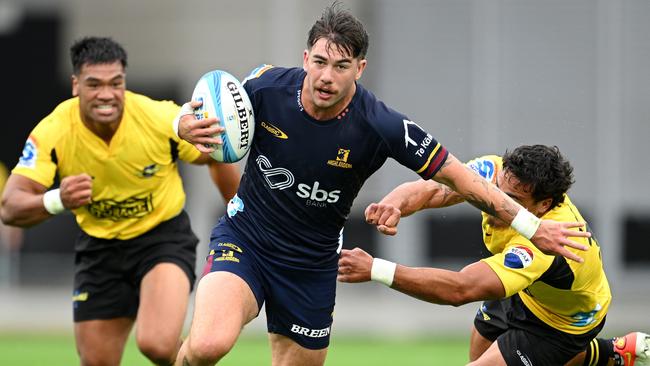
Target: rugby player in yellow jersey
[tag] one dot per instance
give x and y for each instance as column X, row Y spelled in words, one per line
column 540, row 309
column 115, row 153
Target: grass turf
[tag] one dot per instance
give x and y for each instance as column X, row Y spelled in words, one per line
column 57, row 349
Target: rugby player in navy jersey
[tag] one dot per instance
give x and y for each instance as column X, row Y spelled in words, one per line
column 319, row 136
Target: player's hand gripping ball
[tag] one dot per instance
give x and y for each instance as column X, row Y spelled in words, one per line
column 224, row 97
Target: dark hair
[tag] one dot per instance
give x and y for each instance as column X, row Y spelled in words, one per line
column 342, row 30
column 95, row 50
column 544, row 168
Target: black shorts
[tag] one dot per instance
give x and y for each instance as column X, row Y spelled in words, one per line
column 108, row 274
column 524, row 339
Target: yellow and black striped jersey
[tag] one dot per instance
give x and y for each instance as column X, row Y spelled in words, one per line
column 136, row 183
column 568, row 296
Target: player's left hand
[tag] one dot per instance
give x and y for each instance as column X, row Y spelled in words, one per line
column 552, row 237
column 354, row 266
column 384, row 216
column 201, row 133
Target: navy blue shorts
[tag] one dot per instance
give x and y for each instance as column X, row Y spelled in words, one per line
column 299, row 302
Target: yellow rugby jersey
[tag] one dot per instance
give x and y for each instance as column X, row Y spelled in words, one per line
column 136, row 184
column 3, row 177
column 568, row 296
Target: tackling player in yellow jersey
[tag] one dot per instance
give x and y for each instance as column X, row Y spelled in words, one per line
column 538, row 309
column 116, row 156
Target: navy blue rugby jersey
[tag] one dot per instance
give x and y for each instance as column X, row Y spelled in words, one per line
column 302, row 175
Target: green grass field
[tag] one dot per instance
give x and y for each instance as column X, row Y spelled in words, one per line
column 58, row 350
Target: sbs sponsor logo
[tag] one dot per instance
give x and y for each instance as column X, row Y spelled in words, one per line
column 314, row 193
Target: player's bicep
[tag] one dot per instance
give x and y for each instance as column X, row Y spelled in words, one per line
column 409, row 143
column 20, row 183
column 485, row 284
column 19, row 193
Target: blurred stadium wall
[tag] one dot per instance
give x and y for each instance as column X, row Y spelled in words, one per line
column 481, row 76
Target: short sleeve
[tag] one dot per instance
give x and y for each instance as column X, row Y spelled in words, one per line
column 519, row 265
column 37, row 161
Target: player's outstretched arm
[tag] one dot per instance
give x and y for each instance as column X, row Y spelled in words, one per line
column 407, row 199
column 475, row 282
column 200, row 133
column 26, row 202
column 549, row 236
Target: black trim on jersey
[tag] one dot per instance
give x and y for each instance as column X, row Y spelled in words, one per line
column 53, row 156
column 55, row 160
column 559, row 275
column 591, row 242
column 173, row 147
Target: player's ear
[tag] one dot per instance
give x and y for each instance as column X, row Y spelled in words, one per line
column 75, row 85
column 545, row 205
column 305, row 59
column 360, row 67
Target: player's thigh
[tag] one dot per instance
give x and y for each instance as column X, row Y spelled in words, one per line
column 224, row 303
column 101, row 342
column 164, row 295
column 300, row 304
column 477, row 344
column 489, row 323
column 491, row 357
column 286, row 352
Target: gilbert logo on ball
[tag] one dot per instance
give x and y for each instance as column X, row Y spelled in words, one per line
column 224, row 97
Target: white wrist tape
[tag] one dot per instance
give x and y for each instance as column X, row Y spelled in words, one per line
column 185, row 110
column 383, row 271
column 52, row 202
column 526, row 223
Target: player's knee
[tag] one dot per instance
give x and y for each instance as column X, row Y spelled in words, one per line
column 97, row 359
column 158, row 351
column 210, row 350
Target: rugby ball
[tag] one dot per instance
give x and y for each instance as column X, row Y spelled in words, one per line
column 224, row 97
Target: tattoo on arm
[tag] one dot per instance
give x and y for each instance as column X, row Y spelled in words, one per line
column 475, row 200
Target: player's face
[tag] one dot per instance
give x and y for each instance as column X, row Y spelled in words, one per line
column 520, row 192
column 100, row 89
column 330, row 82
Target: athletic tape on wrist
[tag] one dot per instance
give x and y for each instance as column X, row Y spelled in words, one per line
column 383, row 271
column 185, row 110
column 52, row 202
column 526, row 223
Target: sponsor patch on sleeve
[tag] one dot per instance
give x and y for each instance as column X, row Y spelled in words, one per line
column 30, row 154
column 483, row 167
column 518, row 257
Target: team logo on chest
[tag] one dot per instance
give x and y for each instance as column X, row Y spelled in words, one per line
column 149, row 171
column 341, row 160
